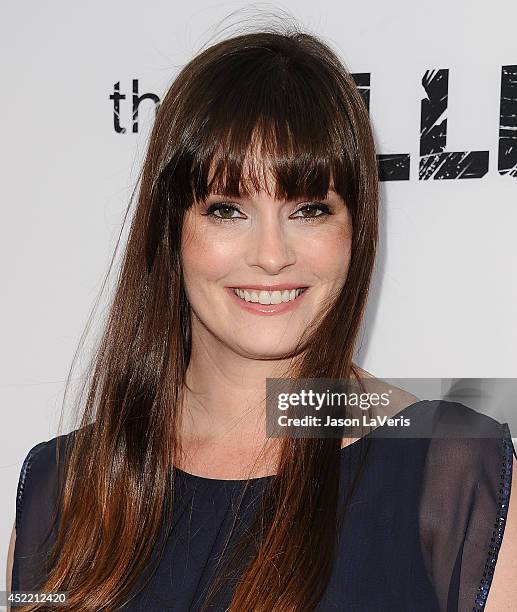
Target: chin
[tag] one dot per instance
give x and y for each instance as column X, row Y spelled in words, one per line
column 266, row 350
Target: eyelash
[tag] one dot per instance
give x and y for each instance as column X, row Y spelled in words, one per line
column 319, row 206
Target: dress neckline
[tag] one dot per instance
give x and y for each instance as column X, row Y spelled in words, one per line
column 205, row 479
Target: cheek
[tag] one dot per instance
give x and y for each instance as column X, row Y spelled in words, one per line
column 204, row 257
column 328, row 253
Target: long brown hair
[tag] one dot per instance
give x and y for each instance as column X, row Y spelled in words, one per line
column 287, row 95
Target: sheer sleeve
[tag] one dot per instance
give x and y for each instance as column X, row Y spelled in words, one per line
column 463, row 508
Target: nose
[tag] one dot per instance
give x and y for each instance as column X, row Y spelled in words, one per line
column 270, row 247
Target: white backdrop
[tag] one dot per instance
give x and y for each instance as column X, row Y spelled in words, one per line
column 444, row 298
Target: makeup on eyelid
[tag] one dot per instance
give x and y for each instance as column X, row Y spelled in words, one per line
column 324, row 210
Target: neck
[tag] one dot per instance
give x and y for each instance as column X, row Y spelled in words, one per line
column 225, row 394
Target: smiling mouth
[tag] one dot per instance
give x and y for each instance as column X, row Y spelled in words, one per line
column 268, row 297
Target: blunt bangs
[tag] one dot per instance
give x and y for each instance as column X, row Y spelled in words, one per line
column 267, row 112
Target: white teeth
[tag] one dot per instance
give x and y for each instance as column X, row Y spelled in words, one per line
column 268, row 297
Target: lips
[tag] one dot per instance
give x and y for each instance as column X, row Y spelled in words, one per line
column 279, row 287
column 268, row 297
column 266, row 309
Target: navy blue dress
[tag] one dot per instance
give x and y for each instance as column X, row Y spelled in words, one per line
column 421, row 534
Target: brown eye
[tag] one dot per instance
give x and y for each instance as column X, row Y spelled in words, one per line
column 313, row 208
column 226, row 211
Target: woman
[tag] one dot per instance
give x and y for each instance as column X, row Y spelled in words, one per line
column 260, row 181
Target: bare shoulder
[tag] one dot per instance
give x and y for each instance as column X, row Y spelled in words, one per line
column 503, row 590
column 400, row 398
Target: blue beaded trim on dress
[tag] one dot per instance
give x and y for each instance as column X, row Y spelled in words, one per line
column 502, row 512
column 27, row 464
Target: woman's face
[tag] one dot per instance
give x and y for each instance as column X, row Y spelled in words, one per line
column 245, row 242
